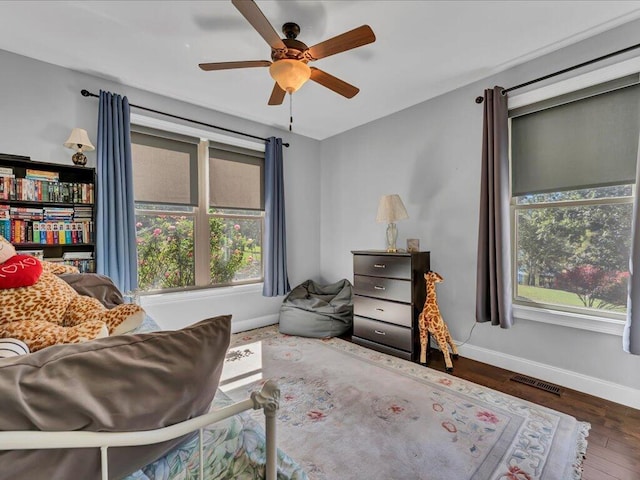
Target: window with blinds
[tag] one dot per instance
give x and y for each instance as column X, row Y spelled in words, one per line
column 573, row 169
column 236, row 178
column 577, row 141
column 199, row 211
column 165, row 170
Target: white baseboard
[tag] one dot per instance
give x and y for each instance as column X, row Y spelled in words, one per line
column 256, row 322
column 576, row 381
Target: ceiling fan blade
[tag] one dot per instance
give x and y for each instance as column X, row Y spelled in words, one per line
column 332, row 83
column 229, row 65
column 352, row 39
column 277, row 95
column 256, row 18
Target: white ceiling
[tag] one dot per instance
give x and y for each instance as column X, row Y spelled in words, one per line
column 423, row 48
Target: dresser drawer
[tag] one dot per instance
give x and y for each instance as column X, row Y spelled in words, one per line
column 391, row 312
column 382, row 266
column 384, row 333
column 385, row 288
column 382, row 348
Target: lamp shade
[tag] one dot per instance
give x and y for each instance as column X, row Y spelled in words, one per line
column 391, row 209
column 290, row 74
column 79, row 140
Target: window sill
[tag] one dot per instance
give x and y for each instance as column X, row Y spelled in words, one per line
column 154, row 299
column 609, row 326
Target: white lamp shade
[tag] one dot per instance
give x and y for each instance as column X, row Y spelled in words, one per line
column 79, row 140
column 290, row 74
column 391, row 209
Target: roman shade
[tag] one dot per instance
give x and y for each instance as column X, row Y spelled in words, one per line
column 236, row 178
column 583, row 140
column 165, row 167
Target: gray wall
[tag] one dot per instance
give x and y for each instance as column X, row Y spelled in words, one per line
column 39, row 105
column 430, row 155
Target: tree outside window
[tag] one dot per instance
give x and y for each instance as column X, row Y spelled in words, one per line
column 573, row 248
column 166, row 258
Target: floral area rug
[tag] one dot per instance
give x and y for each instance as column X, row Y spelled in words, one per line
column 347, row 412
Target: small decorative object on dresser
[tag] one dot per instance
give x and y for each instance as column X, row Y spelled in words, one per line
column 413, row 245
column 389, row 292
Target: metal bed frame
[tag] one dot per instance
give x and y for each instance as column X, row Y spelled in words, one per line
column 267, row 399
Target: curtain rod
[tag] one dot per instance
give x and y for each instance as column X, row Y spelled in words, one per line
column 87, row 93
column 565, row 70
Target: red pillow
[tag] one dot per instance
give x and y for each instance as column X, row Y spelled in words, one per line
column 20, row 271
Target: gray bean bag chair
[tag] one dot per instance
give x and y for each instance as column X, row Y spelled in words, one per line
column 320, row 311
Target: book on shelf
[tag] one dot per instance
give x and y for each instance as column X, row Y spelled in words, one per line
column 6, row 172
column 5, row 224
column 42, row 175
column 58, row 213
column 77, row 255
column 18, row 230
column 7, row 187
column 26, row 213
column 83, row 265
column 41, row 190
column 5, row 229
column 39, row 254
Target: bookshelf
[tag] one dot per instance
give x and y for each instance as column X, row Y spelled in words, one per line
column 48, row 210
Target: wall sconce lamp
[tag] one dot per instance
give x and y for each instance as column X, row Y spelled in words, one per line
column 390, row 210
column 79, row 141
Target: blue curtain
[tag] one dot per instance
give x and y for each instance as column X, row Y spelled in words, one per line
column 631, row 335
column 493, row 285
column 276, row 280
column 116, row 231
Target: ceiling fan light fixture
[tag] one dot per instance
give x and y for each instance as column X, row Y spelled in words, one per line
column 290, row 74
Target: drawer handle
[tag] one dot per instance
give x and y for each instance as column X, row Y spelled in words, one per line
column 380, row 309
column 379, row 265
column 379, row 332
column 378, row 287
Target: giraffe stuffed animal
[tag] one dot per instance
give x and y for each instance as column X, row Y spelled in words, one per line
column 430, row 321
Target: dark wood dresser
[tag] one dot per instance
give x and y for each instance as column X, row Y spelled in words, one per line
column 389, row 293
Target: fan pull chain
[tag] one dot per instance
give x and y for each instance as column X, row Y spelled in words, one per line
column 290, row 110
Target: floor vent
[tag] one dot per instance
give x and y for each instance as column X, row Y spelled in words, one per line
column 533, row 382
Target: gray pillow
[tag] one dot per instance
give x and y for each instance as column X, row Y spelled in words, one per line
column 96, row 286
column 121, row 383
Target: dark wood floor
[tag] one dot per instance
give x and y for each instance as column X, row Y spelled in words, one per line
column 613, row 450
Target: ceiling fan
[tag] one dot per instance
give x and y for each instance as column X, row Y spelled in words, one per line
column 290, row 56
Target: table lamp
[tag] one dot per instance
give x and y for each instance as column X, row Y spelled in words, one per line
column 390, row 210
column 79, row 141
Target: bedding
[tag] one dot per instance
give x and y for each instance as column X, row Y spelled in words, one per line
column 12, row 347
column 233, row 448
column 132, row 382
column 57, row 391
column 95, row 285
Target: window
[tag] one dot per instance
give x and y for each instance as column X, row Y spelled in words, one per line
column 199, row 211
column 573, row 171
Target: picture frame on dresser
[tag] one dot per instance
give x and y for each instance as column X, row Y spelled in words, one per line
column 389, row 293
column 49, row 208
